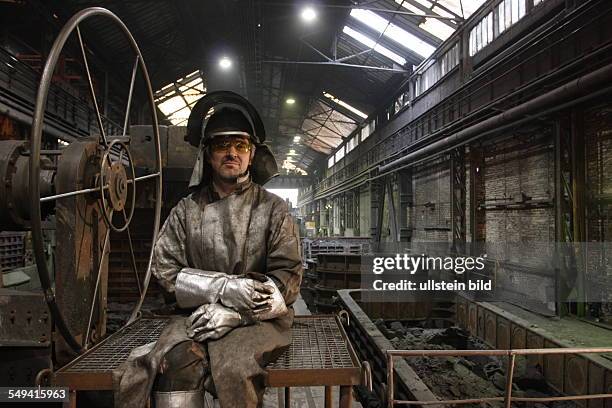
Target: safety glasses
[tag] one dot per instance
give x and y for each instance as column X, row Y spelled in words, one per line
column 224, row 144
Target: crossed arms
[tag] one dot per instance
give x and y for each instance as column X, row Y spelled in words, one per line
column 223, row 300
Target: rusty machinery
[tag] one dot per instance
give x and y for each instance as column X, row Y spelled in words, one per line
column 82, row 191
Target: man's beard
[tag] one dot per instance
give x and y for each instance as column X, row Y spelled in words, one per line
column 233, row 178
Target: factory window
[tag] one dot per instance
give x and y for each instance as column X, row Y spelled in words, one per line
column 440, row 28
column 368, row 42
column 340, row 154
column 399, row 102
column 330, row 161
column 406, row 98
column 436, row 70
column 449, row 60
column 426, row 79
column 536, row 2
column 482, row 34
column 175, row 100
column 509, row 12
column 394, row 32
column 367, row 130
column 352, row 143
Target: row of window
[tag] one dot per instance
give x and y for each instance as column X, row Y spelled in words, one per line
column 430, row 76
column 366, row 131
column 507, row 13
column 503, row 16
column 436, row 70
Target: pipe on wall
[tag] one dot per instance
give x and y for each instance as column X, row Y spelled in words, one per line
column 573, row 89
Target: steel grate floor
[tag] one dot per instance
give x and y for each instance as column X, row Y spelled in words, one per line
column 115, row 350
column 317, row 343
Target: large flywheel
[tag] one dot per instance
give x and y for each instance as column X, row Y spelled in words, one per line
column 95, row 189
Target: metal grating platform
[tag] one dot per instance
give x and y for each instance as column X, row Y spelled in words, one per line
column 111, row 353
column 317, row 344
column 320, row 354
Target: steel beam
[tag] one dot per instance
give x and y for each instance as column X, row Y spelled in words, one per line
column 406, row 202
column 578, row 152
column 477, row 194
column 458, row 195
column 393, row 222
column 377, row 204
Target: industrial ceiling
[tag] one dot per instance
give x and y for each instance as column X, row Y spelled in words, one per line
column 314, row 78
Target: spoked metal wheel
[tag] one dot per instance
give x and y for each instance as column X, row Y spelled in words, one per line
column 110, row 192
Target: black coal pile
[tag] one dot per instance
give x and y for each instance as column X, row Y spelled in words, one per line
column 466, row 377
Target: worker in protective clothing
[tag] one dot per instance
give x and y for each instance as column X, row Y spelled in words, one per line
column 230, row 255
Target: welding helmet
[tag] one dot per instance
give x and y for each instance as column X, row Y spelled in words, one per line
column 225, row 113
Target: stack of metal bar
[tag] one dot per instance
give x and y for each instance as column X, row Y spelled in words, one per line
column 331, row 264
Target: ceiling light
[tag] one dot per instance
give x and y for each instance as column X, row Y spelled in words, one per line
column 225, row 63
column 290, row 101
column 308, row 14
column 296, row 139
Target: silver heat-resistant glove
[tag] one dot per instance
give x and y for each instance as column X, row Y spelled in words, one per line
column 277, row 306
column 195, row 287
column 215, row 321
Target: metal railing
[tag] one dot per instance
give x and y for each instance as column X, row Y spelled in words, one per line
column 511, row 354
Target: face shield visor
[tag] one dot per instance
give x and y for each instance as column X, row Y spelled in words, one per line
column 225, row 115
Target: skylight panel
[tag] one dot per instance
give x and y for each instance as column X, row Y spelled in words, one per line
column 175, row 110
column 437, row 28
column 469, row 6
column 195, row 84
column 169, row 106
column 166, row 87
column 287, row 165
column 191, row 99
column 394, row 32
column 410, row 7
column 345, row 105
column 368, row 42
column 175, row 100
column 454, row 5
column 180, row 115
column 443, row 13
column 426, row 3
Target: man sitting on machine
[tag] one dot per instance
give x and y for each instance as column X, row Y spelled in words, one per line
column 231, row 251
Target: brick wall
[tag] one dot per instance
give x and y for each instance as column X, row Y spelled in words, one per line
column 598, row 140
column 431, row 211
column 517, row 170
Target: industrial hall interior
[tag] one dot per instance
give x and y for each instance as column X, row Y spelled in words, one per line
column 306, row 203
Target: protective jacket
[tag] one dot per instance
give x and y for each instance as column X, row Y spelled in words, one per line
column 248, row 231
column 251, row 227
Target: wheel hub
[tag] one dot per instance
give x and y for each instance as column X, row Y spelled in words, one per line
column 118, row 186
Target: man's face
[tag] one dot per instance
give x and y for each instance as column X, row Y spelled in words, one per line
column 230, row 156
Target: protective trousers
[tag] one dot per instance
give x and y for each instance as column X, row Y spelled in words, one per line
column 234, row 371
